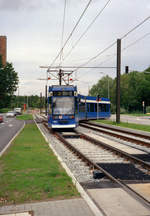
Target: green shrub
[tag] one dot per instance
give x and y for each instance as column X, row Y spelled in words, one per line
column 123, row 111
column 4, row 110
column 148, row 109
column 113, row 109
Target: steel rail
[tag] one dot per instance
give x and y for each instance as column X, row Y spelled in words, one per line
column 93, row 165
column 122, row 130
column 116, row 135
column 117, row 151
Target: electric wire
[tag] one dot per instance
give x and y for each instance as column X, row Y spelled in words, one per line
column 63, row 28
column 89, row 26
column 91, row 59
column 111, row 45
column 133, row 29
column 123, row 49
column 70, row 35
column 135, row 42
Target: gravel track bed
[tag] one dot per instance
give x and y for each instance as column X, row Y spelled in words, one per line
column 95, row 153
column 119, row 168
column 122, row 133
column 133, row 145
column 123, row 170
column 79, row 169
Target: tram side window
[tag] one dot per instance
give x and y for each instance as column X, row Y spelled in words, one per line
column 103, row 106
column 50, row 105
column 88, row 107
column 100, row 108
column 92, row 107
column 95, row 107
column 76, row 105
column 82, row 107
column 107, row 108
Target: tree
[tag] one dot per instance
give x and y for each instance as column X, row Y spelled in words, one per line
column 134, row 88
column 103, row 87
column 8, row 83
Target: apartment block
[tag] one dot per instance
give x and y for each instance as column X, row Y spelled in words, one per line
column 3, row 49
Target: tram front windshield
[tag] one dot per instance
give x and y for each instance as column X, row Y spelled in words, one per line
column 63, row 105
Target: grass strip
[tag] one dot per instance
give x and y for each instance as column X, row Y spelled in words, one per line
column 29, row 171
column 24, row 117
column 126, row 124
column 136, row 114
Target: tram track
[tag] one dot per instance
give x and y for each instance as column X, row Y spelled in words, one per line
column 96, row 167
column 118, row 133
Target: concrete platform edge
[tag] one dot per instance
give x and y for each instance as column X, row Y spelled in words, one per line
column 80, row 189
column 6, row 147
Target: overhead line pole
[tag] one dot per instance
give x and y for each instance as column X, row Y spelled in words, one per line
column 46, row 100
column 118, row 81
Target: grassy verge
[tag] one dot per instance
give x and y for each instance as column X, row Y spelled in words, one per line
column 5, row 110
column 25, row 117
column 29, row 171
column 136, row 114
column 127, row 125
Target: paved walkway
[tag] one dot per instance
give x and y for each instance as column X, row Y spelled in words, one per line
column 71, row 207
column 132, row 119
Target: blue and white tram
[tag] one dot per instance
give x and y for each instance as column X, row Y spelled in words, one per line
column 66, row 109
column 62, row 103
column 93, row 107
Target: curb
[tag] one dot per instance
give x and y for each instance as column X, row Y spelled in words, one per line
column 6, row 147
column 80, row 189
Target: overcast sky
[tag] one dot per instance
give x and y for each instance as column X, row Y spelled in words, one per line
column 34, row 28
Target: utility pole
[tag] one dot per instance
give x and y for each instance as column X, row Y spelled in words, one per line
column 60, row 76
column 118, row 81
column 108, row 88
column 46, row 100
column 40, row 102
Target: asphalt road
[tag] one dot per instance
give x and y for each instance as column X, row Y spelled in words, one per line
column 145, row 120
column 8, row 129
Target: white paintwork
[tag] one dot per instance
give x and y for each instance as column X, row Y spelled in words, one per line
column 94, row 101
column 64, row 126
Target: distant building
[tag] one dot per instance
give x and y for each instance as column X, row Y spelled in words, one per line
column 3, row 49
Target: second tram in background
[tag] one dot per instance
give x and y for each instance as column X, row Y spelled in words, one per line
column 66, row 108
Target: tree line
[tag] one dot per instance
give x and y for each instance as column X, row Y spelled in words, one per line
column 33, row 101
column 134, row 90
column 8, row 85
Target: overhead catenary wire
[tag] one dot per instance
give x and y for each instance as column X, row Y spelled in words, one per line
column 133, row 29
column 128, row 46
column 123, row 49
column 89, row 26
column 111, row 45
column 135, row 42
column 70, row 35
column 63, row 28
column 91, row 59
